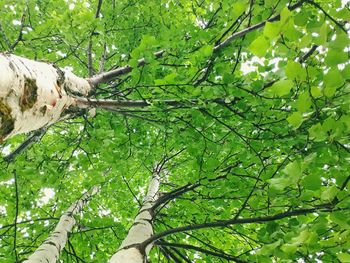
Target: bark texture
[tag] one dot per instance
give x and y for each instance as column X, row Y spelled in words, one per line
column 34, row 94
column 131, row 250
column 49, row 251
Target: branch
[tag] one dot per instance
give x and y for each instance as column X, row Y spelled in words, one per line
column 225, row 223
column 247, row 30
column 131, row 191
column 30, row 221
column 199, row 249
column 308, row 54
column 347, row 180
column 184, row 257
column 186, row 188
column 7, row 41
column 20, row 34
column 16, row 217
column 89, row 56
column 113, row 105
column 175, row 193
column 98, row 10
column 327, row 15
column 169, row 254
column 113, row 74
column 34, row 137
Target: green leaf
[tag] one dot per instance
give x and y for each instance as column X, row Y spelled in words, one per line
column 279, row 183
column 289, row 248
column 296, row 119
column 341, row 219
column 333, row 79
column 285, row 15
column 293, row 171
column 290, row 32
column 147, row 42
column 304, row 102
column 282, row 87
column 267, row 249
column 341, row 42
column 335, row 57
column 259, row 46
column 170, row 78
column 322, row 37
column 346, row 72
column 312, row 181
column 206, row 51
column 301, row 238
column 316, row 91
column 271, row 29
column 238, row 8
column 316, row 132
column 329, row 124
column 294, row 70
column 310, row 158
column 305, row 41
column 300, row 19
column 133, row 62
column 346, row 120
column 344, row 257
column 329, row 193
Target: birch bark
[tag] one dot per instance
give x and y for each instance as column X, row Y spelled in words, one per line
column 49, row 251
column 131, row 250
column 34, row 94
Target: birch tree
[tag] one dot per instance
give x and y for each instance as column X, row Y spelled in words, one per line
column 254, row 93
column 142, row 228
column 50, row 249
column 39, row 93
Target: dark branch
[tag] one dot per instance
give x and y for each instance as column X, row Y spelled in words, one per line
column 225, row 223
column 34, row 137
column 199, row 249
column 247, row 30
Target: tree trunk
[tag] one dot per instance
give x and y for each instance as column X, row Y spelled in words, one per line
column 131, row 249
column 49, row 251
column 34, row 94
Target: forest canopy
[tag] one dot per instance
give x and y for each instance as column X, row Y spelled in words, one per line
column 189, row 131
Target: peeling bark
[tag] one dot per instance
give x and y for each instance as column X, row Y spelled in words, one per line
column 49, row 251
column 131, row 250
column 34, row 94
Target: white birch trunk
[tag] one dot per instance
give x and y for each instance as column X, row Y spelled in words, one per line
column 130, row 250
column 34, row 94
column 49, row 251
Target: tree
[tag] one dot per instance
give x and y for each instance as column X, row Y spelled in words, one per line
column 246, row 103
column 49, row 251
column 142, row 228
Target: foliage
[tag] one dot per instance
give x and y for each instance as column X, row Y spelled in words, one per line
column 278, row 143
